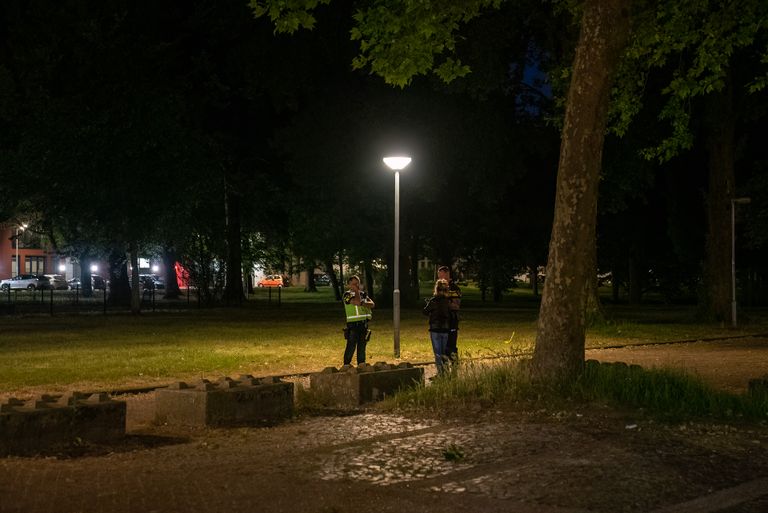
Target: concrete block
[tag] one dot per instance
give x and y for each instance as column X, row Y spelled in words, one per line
column 48, row 421
column 225, row 402
column 349, row 387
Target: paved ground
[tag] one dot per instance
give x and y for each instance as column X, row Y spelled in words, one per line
column 482, row 459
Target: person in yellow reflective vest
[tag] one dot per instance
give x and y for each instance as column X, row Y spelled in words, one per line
column 357, row 307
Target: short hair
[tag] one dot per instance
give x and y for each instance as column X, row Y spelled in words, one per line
column 441, row 287
column 353, row 277
column 444, row 268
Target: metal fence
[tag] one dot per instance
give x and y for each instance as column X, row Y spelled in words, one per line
column 53, row 302
column 20, row 301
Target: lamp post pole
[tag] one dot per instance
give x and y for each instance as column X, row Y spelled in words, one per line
column 18, row 264
column 734, row 202
column 17, row 251
column 396, row 164
column 396, row 289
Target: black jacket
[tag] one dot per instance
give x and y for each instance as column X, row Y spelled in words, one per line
column 439, row 314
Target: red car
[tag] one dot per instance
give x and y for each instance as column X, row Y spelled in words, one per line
column 272, row 280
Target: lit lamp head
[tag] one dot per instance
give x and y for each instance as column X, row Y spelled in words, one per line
column 397, row 163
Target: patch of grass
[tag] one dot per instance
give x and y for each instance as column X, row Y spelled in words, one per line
column 44, row 353
column 471, row 383
column 453, row 453
column 663, row 394
column 666, row 393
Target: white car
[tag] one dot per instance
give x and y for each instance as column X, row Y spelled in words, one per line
column 57, row 281
column 26, row 281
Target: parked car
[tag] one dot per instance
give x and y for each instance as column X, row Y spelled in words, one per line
column 97, row 283
column 57, row 281
column 26, row 281
column 151, row 281
column 272, row 280
column 322, row 279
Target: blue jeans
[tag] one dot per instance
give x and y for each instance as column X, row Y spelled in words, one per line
column 356, row 341
column 451, row 350
column 439, row 341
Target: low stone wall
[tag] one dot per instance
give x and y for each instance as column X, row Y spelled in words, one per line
column 226, row 402
column 42, row 424
column 352, row 386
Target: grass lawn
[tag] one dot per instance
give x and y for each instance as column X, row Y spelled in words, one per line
column 95, row 352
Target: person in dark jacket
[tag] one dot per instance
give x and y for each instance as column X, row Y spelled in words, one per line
column 454, row 300
column 439, row 311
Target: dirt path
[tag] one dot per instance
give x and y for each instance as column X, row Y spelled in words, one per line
column 728, row 364
column 539, row 461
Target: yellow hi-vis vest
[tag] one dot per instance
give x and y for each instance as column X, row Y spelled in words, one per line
column 357, row 313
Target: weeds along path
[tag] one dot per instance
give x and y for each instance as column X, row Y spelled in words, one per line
column 725, row 363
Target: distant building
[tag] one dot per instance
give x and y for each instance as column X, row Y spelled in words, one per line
column 35, row 256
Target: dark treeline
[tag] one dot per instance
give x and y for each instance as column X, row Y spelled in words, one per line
column 191, row 130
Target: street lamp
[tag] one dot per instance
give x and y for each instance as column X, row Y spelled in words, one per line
column 734, row 202
column 18, row 264
column 396, row 164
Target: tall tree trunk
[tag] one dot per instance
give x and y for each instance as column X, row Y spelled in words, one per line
column 594, row 309
column 171, row 283
column 342, row 283
column 310, row 287
column 119, row 289
column 233, row 287
column 483, row 275
column 533, row 277
column 385, row 298
column 248, row 278
column 407, row 292
column 86, row 283
column 414, row 256
column 635, row 282
column 497, row 289
column 559, row 351
column 334, row 281
column 369, row 285
column 749, row 299
column 720, row 139
column 133, row 251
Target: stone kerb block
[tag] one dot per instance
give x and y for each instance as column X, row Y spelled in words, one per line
column 349, row 387
column 225, row 402
column 50, row 421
